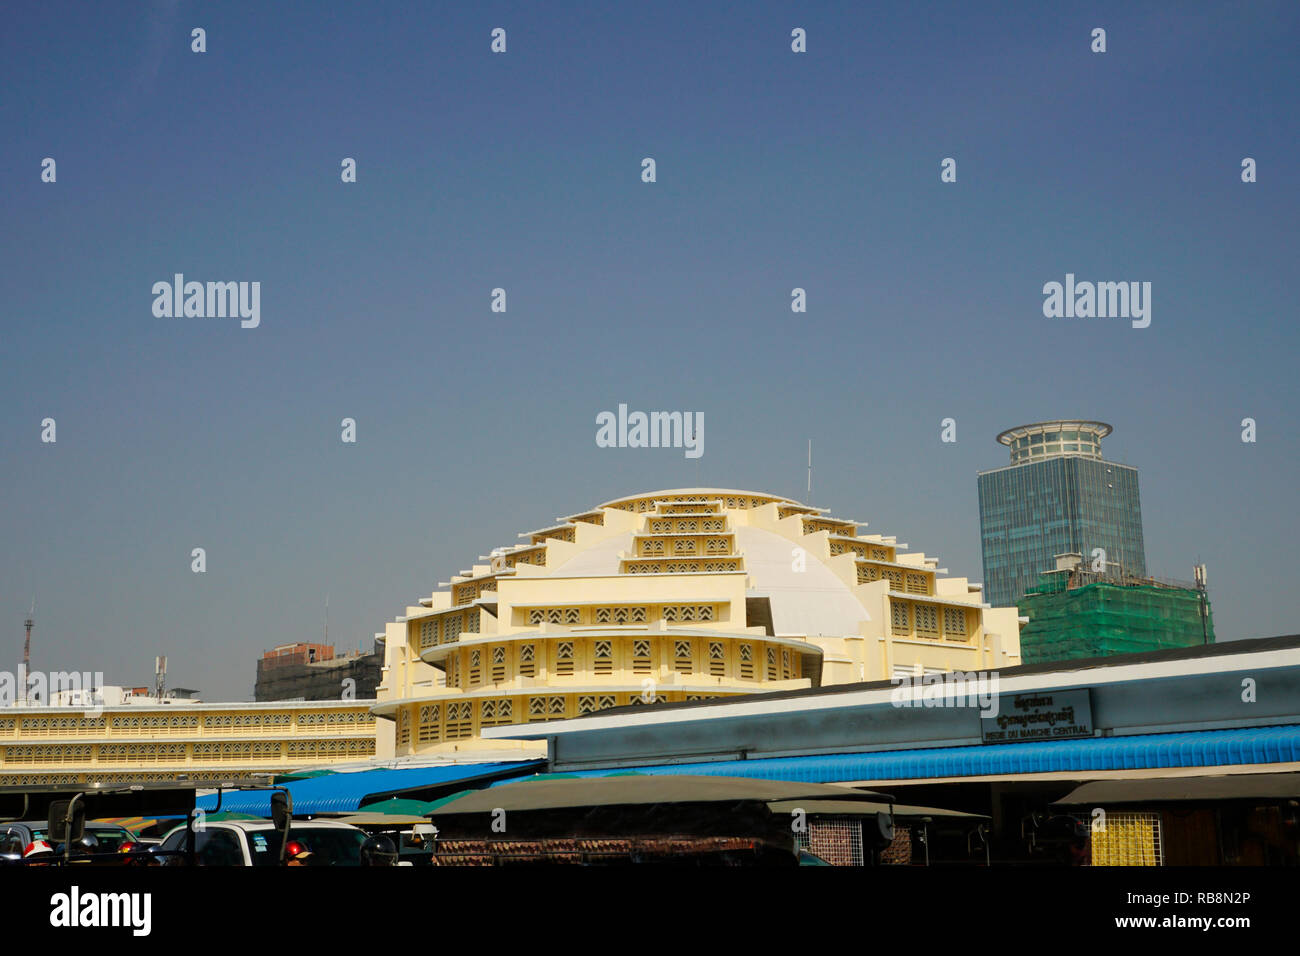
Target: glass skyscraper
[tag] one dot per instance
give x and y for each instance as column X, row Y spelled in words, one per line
column 1058, row 496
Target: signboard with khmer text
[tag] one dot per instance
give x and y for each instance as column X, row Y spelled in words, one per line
column 1041, row 715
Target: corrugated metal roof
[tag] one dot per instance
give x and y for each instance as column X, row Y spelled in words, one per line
column 1202, row 748
column 346, row 792
column 621, row 789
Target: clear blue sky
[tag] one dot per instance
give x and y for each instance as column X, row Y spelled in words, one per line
column 522, row 170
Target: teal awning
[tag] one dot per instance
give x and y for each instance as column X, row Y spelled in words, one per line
column 346, row 792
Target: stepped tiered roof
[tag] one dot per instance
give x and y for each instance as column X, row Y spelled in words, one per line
column 676, row 595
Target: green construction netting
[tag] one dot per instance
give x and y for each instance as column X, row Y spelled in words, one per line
column 1103, row 618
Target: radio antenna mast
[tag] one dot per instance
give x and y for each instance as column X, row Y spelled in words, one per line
column 27, row 649
column 809, row 471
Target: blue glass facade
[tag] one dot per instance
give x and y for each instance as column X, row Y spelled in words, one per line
column 1031, row 512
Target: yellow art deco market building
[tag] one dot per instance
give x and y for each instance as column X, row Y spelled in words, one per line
column 685, row 594
column 168, row 740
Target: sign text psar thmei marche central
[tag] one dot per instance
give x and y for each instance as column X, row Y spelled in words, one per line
column 1042, row 715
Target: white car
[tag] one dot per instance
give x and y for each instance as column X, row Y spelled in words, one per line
column 257, row 843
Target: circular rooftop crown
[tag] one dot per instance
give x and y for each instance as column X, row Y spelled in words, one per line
column 738, row 497
column 1050, row 439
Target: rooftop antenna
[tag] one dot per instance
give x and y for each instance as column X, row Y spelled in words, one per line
column 159, row 677
column 327, row 618
column 27, row 648
column 1201, row 582
column 809, row 471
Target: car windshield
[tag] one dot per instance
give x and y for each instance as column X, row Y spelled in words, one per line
column 329, row 846
column 109, row 838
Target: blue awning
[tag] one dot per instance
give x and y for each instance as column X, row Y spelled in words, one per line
column 346, row 792
column 1201, row 748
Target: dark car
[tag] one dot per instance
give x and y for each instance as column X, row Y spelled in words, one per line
column 16, row 837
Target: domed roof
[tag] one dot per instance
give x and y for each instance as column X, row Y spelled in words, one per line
column 805, row 596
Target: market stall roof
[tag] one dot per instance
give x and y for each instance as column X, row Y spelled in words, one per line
column 900, row 811
column 364, row 819
column 1244, row 786
column 853, row 808
column 397, row 806
column 347, row 792
column 641, row 789
column 904, row 811
column 848, row 808
column 134, row 824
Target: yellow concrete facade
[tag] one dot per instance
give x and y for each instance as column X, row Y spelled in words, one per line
column 668, row 596
column 205, row 742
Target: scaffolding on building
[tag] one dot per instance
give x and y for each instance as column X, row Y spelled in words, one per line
column 1077, row 611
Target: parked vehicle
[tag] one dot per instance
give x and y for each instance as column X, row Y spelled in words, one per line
column 16, row 837
column 258, row 842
